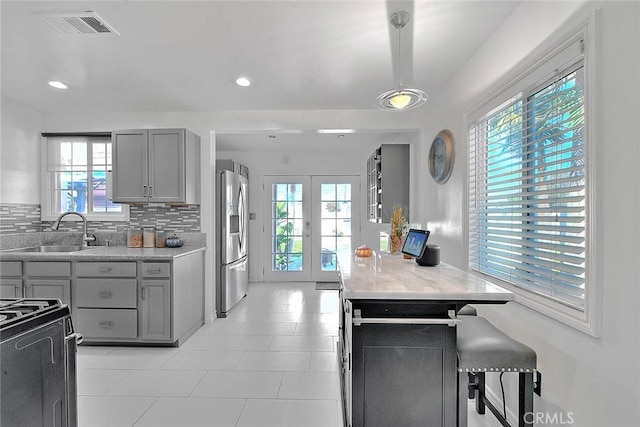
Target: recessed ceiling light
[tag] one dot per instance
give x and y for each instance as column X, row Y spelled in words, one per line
column 244, row 81
column 58, row 85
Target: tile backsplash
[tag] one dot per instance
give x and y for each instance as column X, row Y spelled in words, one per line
column 19, row 218
column 181, row 219
column 16, row 218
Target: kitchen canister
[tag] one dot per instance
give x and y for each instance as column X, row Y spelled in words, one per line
column 161, row 237
column 134, row 238
column 149, row 237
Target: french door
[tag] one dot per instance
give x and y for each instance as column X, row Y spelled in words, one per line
column 312, row 224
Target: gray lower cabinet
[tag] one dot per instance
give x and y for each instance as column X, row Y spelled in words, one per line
column 122, row 301
column 155, row 301
column 10, row 287
column 398, row 374
column 140, row 301
column 10, row 279
column 36, row 279
column 107, row 324
column 48, row 288
column 106, row 301
column 155, row 310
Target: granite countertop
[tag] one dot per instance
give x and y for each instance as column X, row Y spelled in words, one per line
column 102, row 253
column 393, row 277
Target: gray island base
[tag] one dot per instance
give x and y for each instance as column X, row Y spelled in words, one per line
column 398, row 340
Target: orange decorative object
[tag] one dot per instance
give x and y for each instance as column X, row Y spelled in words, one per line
column 363, row 252
column 396, row 244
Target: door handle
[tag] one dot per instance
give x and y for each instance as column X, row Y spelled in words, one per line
column 106, row 325
column 105, row 294
column 241, row 216
column 144, row 191
column 104, row 269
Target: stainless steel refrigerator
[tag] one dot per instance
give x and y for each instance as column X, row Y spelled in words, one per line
column 232, row 225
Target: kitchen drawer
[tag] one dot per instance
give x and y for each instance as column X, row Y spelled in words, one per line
column 107, row 293
column 156, row 269
column 107, row 323
column 106, row 269
column 11, row 269
column 47, row 269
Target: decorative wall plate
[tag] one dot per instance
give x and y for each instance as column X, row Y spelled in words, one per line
column 441, row 157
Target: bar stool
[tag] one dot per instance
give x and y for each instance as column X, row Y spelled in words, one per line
column 483, row 348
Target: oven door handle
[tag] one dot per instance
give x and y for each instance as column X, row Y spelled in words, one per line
column 78, row 337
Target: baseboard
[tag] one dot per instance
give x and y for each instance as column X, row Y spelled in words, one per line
column 327, row 286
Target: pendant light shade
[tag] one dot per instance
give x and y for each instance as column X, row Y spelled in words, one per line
column 401, row 97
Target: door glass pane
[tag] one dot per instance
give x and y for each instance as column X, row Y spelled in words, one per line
column 287, row 227
column 343, row 191
column 343, row 210
column 336, row 225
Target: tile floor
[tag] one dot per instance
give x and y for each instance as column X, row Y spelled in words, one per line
column 271, row 362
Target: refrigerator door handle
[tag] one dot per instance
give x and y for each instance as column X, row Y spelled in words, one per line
column 241, row 213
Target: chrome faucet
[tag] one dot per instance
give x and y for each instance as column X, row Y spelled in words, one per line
column 85, row 237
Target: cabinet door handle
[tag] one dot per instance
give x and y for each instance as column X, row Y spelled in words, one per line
column 105, row 294
column 16, row 289
column 150, row 190
column 27, row 290
column 142, row 292
column 104, row 269
column 144, row 190
column 106, row 325
column 154, row 270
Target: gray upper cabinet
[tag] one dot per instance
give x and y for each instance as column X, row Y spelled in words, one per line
column 387, row 181
column 156, row 166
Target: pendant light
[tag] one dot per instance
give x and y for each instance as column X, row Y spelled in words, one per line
column 401, row 97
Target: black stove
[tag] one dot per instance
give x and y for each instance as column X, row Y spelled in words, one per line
column 37, row 363
column 21, row 314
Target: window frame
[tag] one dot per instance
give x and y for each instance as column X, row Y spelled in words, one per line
column 530, row 76
column 49, row 208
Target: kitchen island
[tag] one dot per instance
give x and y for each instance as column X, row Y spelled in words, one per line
column 398, row 339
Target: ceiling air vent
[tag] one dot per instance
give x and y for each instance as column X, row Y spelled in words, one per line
column 79, row 23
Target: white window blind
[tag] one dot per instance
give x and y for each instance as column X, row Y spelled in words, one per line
column 527, row 209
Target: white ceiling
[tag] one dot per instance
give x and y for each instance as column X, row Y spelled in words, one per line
column 185, row 55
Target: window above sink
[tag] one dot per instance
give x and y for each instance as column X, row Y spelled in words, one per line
column 75, row 178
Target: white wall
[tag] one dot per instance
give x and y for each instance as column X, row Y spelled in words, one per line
column 20, row 154
column 596, row 379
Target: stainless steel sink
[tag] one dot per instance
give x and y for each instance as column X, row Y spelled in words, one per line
column 53, row 248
